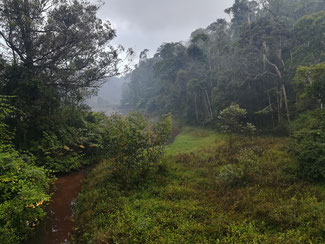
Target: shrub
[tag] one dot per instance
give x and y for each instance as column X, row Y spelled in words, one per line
column 23, row 189
column 5, row 110
column 23, row 194
column 243, row 171
column 73, row 139
column 231, row 174
column 134, row 145
column 309, row 147
column 232, row 120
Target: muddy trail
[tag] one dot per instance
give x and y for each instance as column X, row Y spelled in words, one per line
column 58, row 225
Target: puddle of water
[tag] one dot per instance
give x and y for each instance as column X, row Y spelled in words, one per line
column 58, row 225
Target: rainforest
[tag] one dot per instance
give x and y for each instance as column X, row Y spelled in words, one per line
column 216, row 138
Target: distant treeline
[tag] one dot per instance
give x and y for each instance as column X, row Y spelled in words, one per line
column 251, row 60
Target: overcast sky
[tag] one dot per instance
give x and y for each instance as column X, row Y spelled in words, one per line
column 144, row 24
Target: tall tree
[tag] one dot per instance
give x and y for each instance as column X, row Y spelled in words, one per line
column 62, row 40
column 56, row 50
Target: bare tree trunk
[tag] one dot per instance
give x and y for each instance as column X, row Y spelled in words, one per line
column 270, row 104
column 281, row 97
column 206, row 104
column 279, row 106
column 286, row 101
column 196, row 113
column 321, row 105
column 209, row 103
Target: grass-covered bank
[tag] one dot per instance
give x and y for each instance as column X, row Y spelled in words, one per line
column 249, row 193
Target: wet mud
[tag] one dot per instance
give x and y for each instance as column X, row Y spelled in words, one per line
column 58, row 225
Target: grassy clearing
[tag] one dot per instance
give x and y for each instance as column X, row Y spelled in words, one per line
column 194, row 139
column 204, row 192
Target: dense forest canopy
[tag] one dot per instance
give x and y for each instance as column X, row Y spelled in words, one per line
column 251, row 60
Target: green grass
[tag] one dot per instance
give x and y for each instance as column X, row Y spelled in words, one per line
column 193, row 139
column 185, row 201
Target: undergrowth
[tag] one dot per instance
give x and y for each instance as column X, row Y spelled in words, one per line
column 205, row 192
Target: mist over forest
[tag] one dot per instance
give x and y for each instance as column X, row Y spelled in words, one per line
column 108, row 97
column 217, row 136
column 254, row 60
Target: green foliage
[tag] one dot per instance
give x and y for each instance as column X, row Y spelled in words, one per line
column 246, row 167
column 23, row 194
column 309, row 83
column 231, row 120
column 85, row 34
column 184, row 203
column 192, row 139
column 250, row 61
column 133, row 145
column 308, row 31
column 71, row 138
column 231, row 174
column 23, row 187
column 5, row 110
column 60, row 59
column 309, row 136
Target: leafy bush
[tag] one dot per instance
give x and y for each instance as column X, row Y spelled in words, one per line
column 243, row 171
column 5, row 109
column 232, row 120
column 23, row 194
column 72, row 139
column 309, row 147
column 231, row 174
column 23, row 189
column 134, row 145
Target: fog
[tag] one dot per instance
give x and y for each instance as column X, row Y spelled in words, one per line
column 145, row 24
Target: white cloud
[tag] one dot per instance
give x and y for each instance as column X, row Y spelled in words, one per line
column 144, row 24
